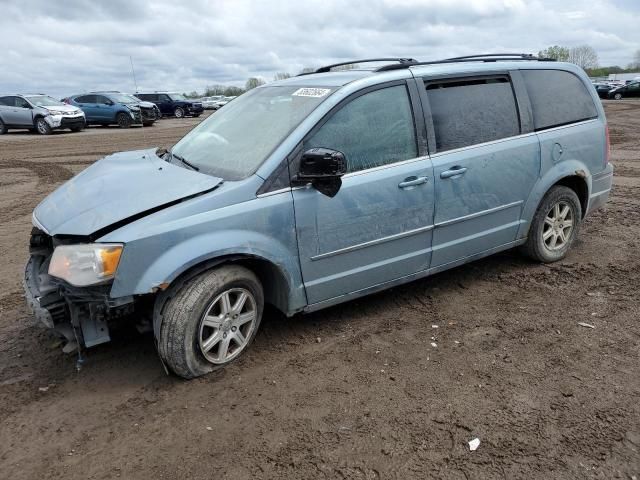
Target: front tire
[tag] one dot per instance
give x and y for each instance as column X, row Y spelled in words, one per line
column 210, row 320
column 617, row 96
column 42, row 126
column 555, row 225
column 123, row 120
column 178, row 112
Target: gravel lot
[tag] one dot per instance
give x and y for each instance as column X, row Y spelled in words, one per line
column 356, row 391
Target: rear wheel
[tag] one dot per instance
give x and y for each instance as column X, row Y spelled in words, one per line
column 618, row 96
column 123, row 120
column 555, row 225
column 178, row 112
column 3, row 128
column 210, row 320
column 42, row 126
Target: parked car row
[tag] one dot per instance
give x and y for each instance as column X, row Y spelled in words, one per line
column 43, row 114
column 618, row 90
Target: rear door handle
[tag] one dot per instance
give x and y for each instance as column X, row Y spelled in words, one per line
column 413, row 181
column 454, row 172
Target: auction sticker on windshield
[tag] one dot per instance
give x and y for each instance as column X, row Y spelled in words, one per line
column 311, row 92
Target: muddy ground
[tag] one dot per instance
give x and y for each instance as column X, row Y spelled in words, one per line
column 356, row 391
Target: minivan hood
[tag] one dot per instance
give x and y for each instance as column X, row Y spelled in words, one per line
column 117, row 188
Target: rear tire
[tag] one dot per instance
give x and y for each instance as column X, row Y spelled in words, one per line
column 42, row 126
column 123, row 120
column 555, row 225
column 617, row 96
column 201, row 321
column 3, row 128
column 178, row 112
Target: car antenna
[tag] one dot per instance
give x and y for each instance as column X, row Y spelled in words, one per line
column 135, row 84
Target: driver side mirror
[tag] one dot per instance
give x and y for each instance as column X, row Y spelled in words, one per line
column 323, row 167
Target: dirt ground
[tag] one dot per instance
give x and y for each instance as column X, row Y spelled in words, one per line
column 356, row 391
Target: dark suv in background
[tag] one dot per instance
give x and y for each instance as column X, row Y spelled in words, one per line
column 107, row 108
column 173, row 104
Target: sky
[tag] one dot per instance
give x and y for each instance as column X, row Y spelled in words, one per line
column 72, row 46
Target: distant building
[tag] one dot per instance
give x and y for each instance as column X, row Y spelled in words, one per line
column 624, row 76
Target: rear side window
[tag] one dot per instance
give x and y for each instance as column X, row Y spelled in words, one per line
column 372, row 130
column 8, row 101
column 469, row 112
column 86, row 99
column 557, row 98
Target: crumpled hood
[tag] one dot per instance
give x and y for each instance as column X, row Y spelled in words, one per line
column 116, row 188
column 64, row 108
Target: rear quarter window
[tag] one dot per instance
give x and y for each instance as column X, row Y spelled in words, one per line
column 557, row 98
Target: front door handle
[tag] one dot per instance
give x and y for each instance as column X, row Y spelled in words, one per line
column 413, row 181
column 453, row 172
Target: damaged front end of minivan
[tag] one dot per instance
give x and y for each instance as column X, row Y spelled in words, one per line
column 70, row 272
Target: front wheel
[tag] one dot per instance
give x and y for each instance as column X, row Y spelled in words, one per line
column 178, row 112
column 210, row 320
column 555, row 225
column 617, row 96
column 42, row 126
column 123, row 120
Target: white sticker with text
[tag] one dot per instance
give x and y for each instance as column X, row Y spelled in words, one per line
column 311, row 92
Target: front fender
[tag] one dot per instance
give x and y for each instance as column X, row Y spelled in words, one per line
column 567, row 168
column 136, row 276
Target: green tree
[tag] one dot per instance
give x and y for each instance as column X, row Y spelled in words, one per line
column 253, row 82
column 556, row 52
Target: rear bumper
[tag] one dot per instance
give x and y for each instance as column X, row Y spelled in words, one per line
column 601, row 184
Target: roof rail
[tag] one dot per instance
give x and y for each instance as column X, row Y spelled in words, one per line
column 327, row 68
column 488, row 57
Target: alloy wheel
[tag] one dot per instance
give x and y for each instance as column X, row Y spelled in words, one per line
column 227, row 325
column 558, row 226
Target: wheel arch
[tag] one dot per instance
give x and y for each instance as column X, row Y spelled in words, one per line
column 572, row 174
column 275, row 283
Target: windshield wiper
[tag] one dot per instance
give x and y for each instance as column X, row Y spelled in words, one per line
column 188, row 164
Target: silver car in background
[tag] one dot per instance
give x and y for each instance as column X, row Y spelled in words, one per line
column 209, row 103
column 38, row 112
column 222, row 102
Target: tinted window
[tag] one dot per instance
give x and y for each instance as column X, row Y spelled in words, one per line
column 164, row 98
column 86, row 99
column 21, row 103
column 469, row 112
column 557, row 98
column 374, row 129
column 101, row 99
column 147, row 96
column 8, row 101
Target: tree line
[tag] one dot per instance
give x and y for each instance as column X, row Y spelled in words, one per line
column 586, row 58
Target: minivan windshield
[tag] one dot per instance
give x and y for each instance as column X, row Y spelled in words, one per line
column 234, row 142
column 44, row 101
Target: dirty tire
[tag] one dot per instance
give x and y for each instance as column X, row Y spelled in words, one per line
column 42, row 126
column 3, row 128
column 536, row 248
column 178, row 112
column 123, row 120
column 183, row 311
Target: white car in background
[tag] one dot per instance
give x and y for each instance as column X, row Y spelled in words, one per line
column 209, row 102
column 222, row 102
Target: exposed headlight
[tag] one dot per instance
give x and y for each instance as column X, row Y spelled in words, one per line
column 85, row 264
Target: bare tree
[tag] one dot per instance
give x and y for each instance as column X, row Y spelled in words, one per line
column 254, row 82
column 584, row 56
column 556, row 52
column 308, row 70
column 281, row 76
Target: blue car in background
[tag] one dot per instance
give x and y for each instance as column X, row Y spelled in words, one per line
column 319, row 189
column 109, row 108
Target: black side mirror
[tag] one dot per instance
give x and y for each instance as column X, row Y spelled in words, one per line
column 323, row 167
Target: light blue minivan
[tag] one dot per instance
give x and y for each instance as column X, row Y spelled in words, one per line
column 316, row 190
